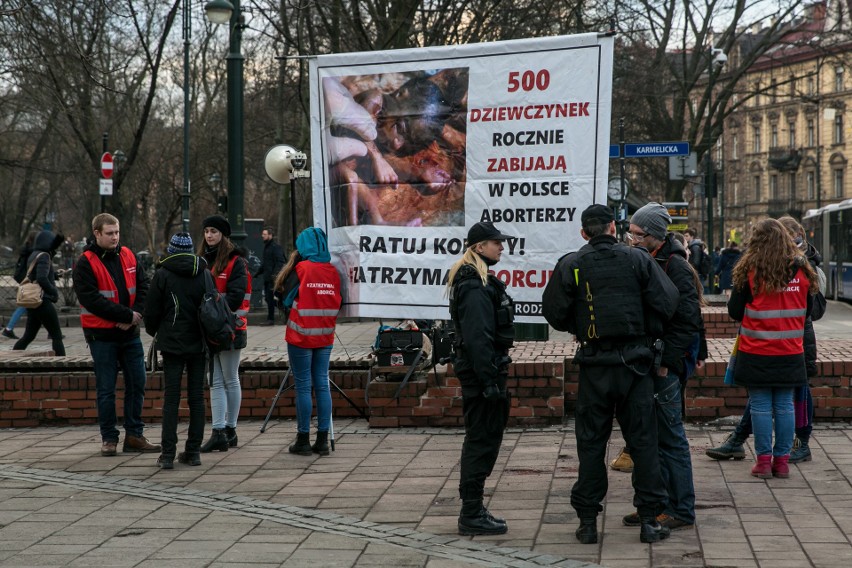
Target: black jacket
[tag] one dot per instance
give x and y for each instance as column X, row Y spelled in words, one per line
column 561, row 296
column 686, row 322
column 44, row 247
column 696, row 254
column 86, row 288
column 480, row 358
column 235, row 290
column 273, row 262
column 176, row 292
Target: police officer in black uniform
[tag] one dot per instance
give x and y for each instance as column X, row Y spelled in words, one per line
column 613, row 298
column 483, row 315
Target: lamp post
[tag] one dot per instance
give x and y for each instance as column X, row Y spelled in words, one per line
column 220, row 12
column 187, row 35
column 716, row 58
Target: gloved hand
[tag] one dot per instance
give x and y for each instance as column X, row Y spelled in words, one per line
column 493, row 392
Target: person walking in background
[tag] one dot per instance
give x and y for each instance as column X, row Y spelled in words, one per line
column 229, row 268
column 699, row 258
column 773, row 292
column 171, row 316
column 273, row 262
column 310, row 287
column 112, row 293
column 40, row 270
column 727, row 260
column 20, row 273
column 483, row 317
column 615, row 299
column 803, row 404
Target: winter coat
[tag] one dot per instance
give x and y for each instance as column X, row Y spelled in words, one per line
column 89, row 296
column 44, row 247
column 819, row 306
column 176, row 292
column 273, row 262
column 681, row 329
column 727, row 260
column 235, row 290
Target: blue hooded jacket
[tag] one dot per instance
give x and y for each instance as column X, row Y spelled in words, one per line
column 312, row 244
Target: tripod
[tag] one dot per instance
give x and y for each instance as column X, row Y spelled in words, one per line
column 285, row 387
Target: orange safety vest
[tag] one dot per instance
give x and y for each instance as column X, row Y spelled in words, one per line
column 773, row 324
column 107, row 286
column 221, row 281
column 313, row 315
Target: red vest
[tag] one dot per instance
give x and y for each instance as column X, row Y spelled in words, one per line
column 221, row 281
column 107, row 287
column 314, row 312
column 774, row 323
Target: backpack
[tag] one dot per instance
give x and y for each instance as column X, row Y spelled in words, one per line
column 218, row 322
column 706, row 267
column 21, row 268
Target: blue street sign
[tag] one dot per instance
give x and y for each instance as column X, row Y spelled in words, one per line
column 656, row 149
column 614, row 151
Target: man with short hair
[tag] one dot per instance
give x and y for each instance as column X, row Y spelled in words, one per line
column 614, row 298
column 273, row 262
column 681, row 339
column 112, row 295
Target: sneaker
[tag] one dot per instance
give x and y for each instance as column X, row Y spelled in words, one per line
column 9, row 333
column 623, row 462
column 671, row 523
column 631, row 520
column 653, row 532
column 108, row 448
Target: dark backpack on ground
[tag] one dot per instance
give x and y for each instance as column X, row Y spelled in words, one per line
column 218, row 322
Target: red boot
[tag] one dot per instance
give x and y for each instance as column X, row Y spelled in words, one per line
column 763, row 467
column 780, row 467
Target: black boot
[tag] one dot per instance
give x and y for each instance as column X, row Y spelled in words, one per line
column 587, row 532
column 474, row 519
column 652, row 531
column 231, row 435
column 731, row 448
column 166, row 461
column 217, row 441
column 302, row 445
column 321, row 445
column 189, row 458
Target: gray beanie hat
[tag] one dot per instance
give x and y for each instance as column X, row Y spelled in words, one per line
column 654, row 219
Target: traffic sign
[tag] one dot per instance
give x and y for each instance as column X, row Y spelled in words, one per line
column 106, row 166
column 105, row 187
column 656, row 149
column 614, row 150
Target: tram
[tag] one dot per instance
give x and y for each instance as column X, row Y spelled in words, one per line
column 829, row 228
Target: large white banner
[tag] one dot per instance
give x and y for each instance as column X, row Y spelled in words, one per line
column 410, row 148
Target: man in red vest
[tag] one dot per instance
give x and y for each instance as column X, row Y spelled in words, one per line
column 112, row 294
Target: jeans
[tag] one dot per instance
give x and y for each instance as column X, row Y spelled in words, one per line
column 310, row 370
column 675, row 462
column 743, row 430
column 768, row 403
column 107, row 357
column 45, row 315
column 173, row 366
column 16, row 315
column 225, row 391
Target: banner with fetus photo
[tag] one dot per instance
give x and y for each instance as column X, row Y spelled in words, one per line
column 411, row 147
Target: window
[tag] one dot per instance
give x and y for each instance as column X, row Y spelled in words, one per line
column 838, row 128
column 792, row 86
column 735, row 147
column 811, row 86
column 736, row 185
column 756, row 146
column 755, row 181
column 773, row 187
column 811, row 183
column 773, row 136
column 719, row 155
column 773, row 91
column 792, row 185
column 791, row 134
column 838, row 183
column 811, row 133
column 838, row 79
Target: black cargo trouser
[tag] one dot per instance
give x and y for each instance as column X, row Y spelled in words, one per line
column 604, row 391
column 484, row 423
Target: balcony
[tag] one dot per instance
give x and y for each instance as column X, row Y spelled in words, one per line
column 784, row 159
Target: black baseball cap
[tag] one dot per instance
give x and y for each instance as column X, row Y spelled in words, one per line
column 597, row 213
column 484, row 231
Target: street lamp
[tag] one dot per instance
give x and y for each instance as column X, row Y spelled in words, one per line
column 187, row 35
column 219, row 12
column 716, row 59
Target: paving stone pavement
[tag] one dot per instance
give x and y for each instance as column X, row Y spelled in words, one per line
column 389, row 498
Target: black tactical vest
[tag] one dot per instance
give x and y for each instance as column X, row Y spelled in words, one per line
column 609, row 296
column 504, row 308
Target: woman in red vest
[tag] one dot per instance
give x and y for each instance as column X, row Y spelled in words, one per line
column 231, row 275
column 310, row 286
column 773, row 293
